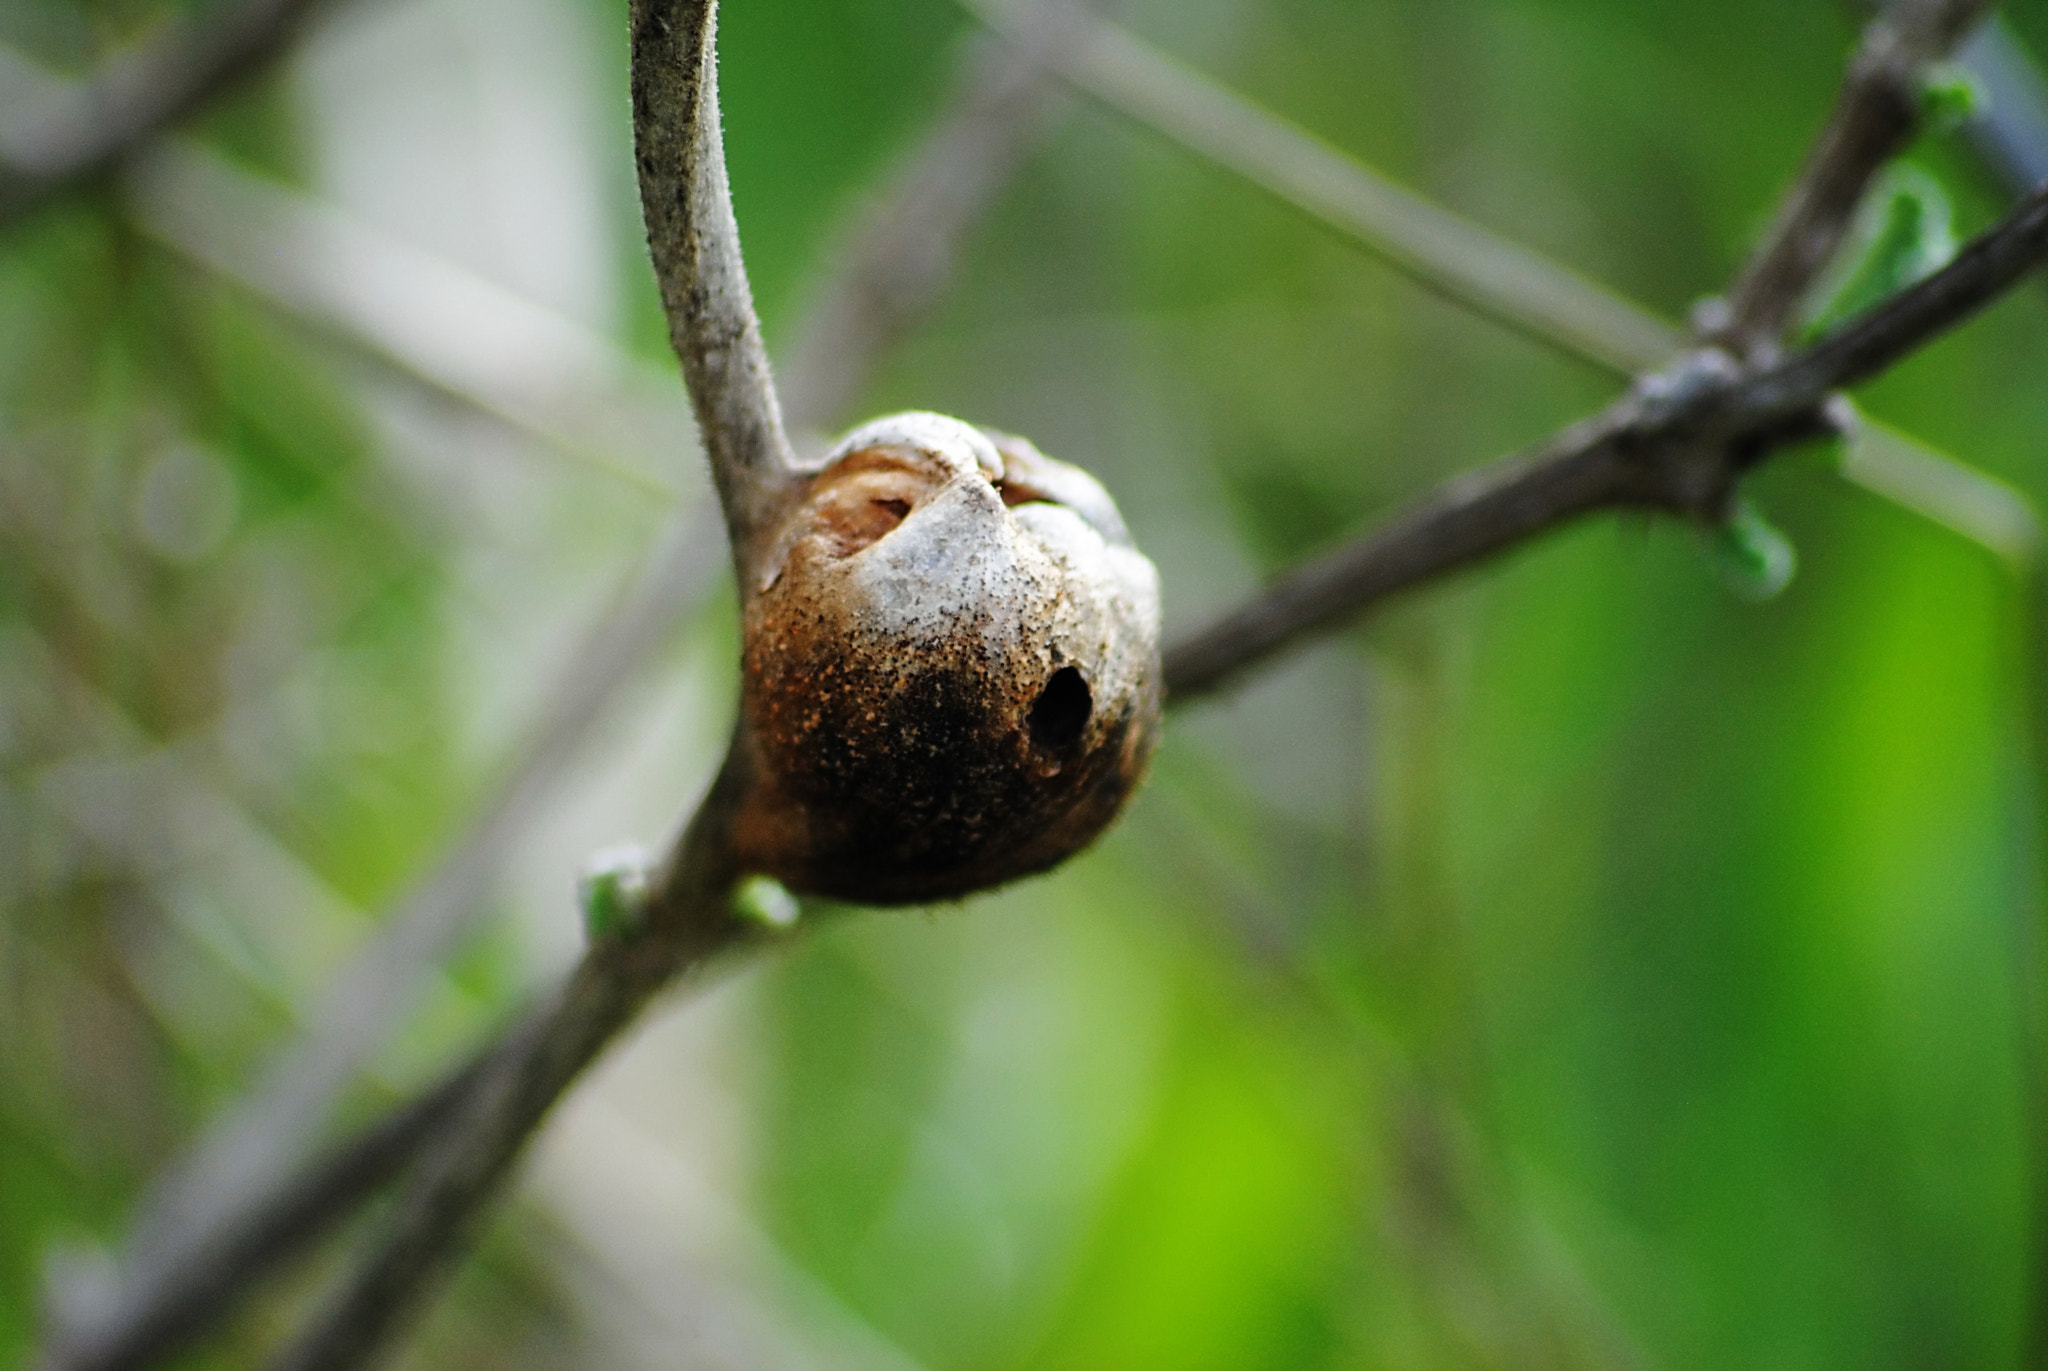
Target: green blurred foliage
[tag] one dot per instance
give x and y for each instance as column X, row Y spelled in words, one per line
column 1576, row 965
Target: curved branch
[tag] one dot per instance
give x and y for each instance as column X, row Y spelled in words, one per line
column 696, row 247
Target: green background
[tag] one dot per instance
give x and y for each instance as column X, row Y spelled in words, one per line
column 1573, row 965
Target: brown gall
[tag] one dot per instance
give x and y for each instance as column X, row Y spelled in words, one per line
column 951, row 668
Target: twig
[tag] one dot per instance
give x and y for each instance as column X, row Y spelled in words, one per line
column 1874, row 116
column 1892, row 464
column 1678, row 444
column 137, row 96
column 1982, row 271
column 1875, row 113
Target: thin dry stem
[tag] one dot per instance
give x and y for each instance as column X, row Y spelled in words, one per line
column 1455, row 258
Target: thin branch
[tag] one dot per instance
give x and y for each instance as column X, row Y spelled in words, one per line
column 1451, row 256
column 1896, row 466
column 1478, row 515
column 1875, row 115
column 1677, row 444
column 696, row 249
column 136, row 96
column 1878, row 338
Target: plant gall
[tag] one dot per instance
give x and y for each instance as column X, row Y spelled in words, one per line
column 951, row 668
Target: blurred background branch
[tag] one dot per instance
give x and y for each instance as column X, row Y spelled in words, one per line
column 2011, row 132
column 1466, row 264
column 49, row 146
column 894, row 270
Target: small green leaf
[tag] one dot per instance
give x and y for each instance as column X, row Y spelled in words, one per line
column 1951, row 95
column 1904, row 231
column 765, row 900
column 613, row 892
column 1753, row 556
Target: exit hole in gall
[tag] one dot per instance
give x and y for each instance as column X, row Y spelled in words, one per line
column 1061, row 710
